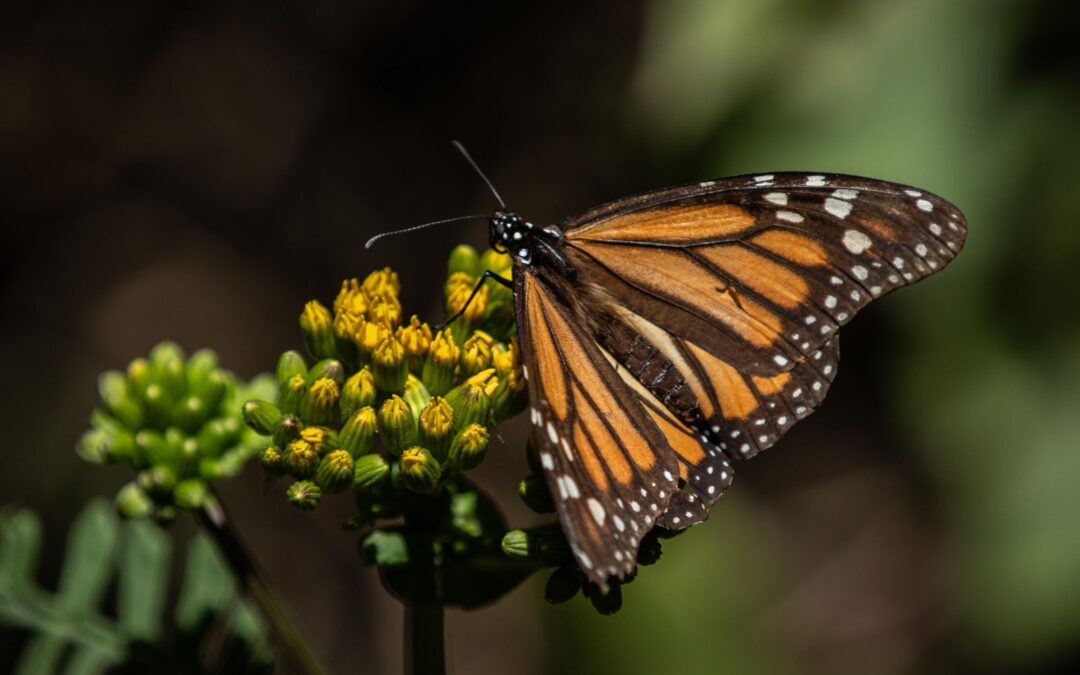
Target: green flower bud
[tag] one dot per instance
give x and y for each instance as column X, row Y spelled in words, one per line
column 211, row 389
column 563, row 584
column 420, row 471
column 301, row 459
column 292, row 394
column 199, row 368
column 289, row 365
column 158, row 406
column 396, row 425
column 317, row 325
column 607, row 604
column 415, row 339
column 471, row 405
column 139, row 375
column 320, row 405
column 272, row 461
column 536, row 495
column 190, row 413
column 545, row 544
column 152, row 445
column 435, row 427
column 358, row 392
column 331, row 369
column 469, row 447
column 167, row 368
column 465, row 259
column 358, row 434
column 442, row 359
column 370, row 472
column 132, row 502
column 476, row 353
column 304, row 495
column 212, row 438
column 159, row 479
column 118, row 399
column 262, row 416
column 288, row 430
column 388, row 366
column 321, row 439
column 416, row 395
column 192, row 493
column 335, row 472
column 509, row 397
column 499, row 263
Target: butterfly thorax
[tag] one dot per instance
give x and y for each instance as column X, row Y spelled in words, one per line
column 530, row 245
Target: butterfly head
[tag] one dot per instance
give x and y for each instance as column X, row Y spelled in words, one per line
column 509, row 231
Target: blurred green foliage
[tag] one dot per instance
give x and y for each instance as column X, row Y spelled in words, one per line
column 71, row 631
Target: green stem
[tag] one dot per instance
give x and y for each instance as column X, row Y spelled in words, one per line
column 293, row 650
column 425, row 652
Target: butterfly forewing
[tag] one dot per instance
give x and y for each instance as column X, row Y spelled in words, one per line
column 610, row 469
column 743, row 283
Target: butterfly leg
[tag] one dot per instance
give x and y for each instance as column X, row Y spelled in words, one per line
column 488, row 274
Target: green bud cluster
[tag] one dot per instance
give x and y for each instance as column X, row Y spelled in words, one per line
column 176, row 420
column 390, row 408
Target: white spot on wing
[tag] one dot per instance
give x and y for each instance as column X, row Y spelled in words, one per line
column 838, row 207
column 779, row 198
column 856, row 241
column 815, row 181
column 789, row 216
column 597, row 511
column 925, row 205
column 844, row 193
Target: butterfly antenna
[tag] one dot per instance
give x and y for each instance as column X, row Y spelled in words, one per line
column 476, row 167
column 420, row 227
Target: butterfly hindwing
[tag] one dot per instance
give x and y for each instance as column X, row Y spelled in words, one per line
column 610, row 469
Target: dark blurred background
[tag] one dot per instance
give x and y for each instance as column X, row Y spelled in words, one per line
column 197, row 171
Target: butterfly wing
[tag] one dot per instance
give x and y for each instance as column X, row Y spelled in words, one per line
column 741, row 285
column 610, row 468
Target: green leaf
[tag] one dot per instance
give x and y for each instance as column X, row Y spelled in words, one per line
column 387, row 548
column 69, row 633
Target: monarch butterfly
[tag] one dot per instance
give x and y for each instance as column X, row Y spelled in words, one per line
column 667, row 335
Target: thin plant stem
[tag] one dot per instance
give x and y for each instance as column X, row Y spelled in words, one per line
column 425, row 651
column 292, row 649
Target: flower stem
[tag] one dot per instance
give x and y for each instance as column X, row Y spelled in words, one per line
column 425, row 653
column 292, row 650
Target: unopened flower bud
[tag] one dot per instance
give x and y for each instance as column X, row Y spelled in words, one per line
column 159, row 479
column 293, row 393
column 370, row 472
column 415, row 339
column 536, row 495
column 335, row 472
column 192, row 493
column 288, row 430
column 167, row 368
column 304, row 495
column 133, row 502
column 459, row 293
column 416, row 395
column 506, row 358
column 476, row 353
column 385, row 309
column 358, row 434
column 158, row 406
column 330, row 369
column 289, row 365
column 438, row 373
column 397, row 425
column 118, row 398
column 139, row 375
column 351, row 299
column 152, row 445
column 468, row 447
column 436, row 426
column 262, row 416
column 563, row 584
column 301, row 459
column 470, row 403
column 382, row 282
column 272, row 461
column 358, row 392
column 420, row 471
column 466, row 260
column 320, row 439
column 370, row 335
column 320, row 404
column 317, row 325
column 388, row 366
column 545, row 544
column 500, row 263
